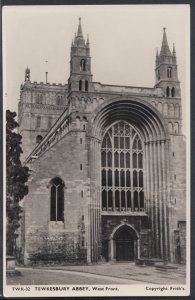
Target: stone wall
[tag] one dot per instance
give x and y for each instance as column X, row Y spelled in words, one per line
column 41, row 235
column 182, row 240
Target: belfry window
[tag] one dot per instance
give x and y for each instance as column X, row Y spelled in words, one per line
column 158, row 72
column 80, row 85
column 169, row 72
column 82, row 65
column 167, row 91
column 173, row 92
column 122, row 169
column 86, row 85
column 57, row 199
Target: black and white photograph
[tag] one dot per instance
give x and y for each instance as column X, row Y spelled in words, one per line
column 96, row 105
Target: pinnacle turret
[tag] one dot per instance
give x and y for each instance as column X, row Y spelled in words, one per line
column 165, row 51
column 80, row 63
column 79, row 31
column 166, row 74
column 174, row 52
column 27, row 74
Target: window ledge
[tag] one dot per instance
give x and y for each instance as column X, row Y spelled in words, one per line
column 56, row 225
column 124, row 213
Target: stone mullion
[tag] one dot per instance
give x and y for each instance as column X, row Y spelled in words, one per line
column 160, row 197
column 152, row 196
column 156, row 196
column 113, row 173
column 138, row 196
column 106, row 177
column 131, row 174
column 119, row 178
column 164, row 181
column 126, row 169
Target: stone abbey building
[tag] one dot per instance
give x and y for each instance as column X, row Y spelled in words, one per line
column 107, row 166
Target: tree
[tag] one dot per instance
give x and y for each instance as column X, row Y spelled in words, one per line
column 16, row 179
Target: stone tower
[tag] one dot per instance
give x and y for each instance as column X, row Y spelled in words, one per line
column 166, row 70
column 80, row 64
column 39, row 107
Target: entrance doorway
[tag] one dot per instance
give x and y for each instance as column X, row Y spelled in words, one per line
column 124, row 242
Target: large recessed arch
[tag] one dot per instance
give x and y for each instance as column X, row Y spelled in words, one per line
column 151, row 126
column 138, row 112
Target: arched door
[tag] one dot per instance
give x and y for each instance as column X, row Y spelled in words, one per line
column 124, row 243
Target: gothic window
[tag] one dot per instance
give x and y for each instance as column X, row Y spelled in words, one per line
column 122, row 169
column 167, row 91
column 86, row 85
column 80, row 85
column 173, row 92
column 39, row 99
column 57, row 200
column 82, row 65
column 39, row 139
column 169, row 72
column 38, row 124
column 49, row 122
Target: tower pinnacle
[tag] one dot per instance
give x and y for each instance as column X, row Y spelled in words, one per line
column 174, row 52
column 79, row 31
column 165, row 47
column 27, row 74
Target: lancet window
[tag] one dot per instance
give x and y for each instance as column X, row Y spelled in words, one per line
column 57, row 199
column 122, row 169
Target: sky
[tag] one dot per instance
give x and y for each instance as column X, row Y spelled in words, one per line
column 123, row 43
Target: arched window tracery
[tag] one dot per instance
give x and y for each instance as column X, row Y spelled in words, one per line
column 122, row 169
column 57, row 200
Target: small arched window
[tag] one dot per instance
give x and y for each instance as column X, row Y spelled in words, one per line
column 57, row 199
column 38, row 124
column 158, row 73
column 39, row 139
column 82, row 65
column 86, row 85
column 173, row 92
column 167, row 91
column 169, row 72
column 80, row 85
